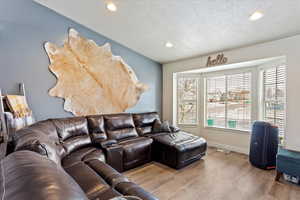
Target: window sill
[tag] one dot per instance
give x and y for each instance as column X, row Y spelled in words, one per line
column 228, row 130
column 188, row 125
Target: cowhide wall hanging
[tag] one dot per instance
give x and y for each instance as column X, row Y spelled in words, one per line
column 90, row 78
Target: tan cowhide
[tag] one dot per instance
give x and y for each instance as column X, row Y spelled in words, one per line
column 90, row 78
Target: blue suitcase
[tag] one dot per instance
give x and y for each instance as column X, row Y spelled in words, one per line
column 263, row 146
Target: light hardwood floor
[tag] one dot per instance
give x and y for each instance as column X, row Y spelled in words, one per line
column 219, row 176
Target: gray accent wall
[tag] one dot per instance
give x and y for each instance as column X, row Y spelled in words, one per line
column 25, row 26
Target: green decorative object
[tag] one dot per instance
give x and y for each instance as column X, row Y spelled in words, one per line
column 210, row 122
column 232, row 123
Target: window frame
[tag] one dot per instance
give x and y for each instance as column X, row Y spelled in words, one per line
column 262, row 107
column 252, row 70
column 187, row 75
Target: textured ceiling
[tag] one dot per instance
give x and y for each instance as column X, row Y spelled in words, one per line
column 195, row 27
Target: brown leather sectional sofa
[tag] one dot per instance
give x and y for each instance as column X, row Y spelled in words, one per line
column 90, row 152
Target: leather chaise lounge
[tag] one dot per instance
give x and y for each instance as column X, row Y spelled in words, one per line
column 176, row 149
column 89, row 153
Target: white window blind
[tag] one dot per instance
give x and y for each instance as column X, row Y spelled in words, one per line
column 216, row 101
column 228, row 101
column 187, row 100
column 275, row 96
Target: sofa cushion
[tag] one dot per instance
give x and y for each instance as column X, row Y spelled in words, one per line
column 83, row 155
column 136, row 151
column 109, row 194
column 71, row 127
column 174, row 129
column 143, row 131
column 44, row 148
column 181, row 141
column 109, row 174
column 90, row 182
column 144, row 122
column 159, row 127
column 145, row 119
column 34, row 139
column 46, row 127
column 178, row 149
column 77, row 142
column 28, row 175
column 73, row 133
column 35, row 146
column 122, row 134
column 118, row 121
column 120, row 126
column 96, row 128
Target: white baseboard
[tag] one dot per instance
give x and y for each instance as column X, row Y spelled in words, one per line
column 228, row 147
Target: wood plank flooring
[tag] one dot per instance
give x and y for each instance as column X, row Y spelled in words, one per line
column 219, row 176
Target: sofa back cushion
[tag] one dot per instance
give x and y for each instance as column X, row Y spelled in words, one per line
column 120, row 126
column 71, row 127
column 41, row 138
column 96, row 128
column 27, row 175
column 72, row 132
column 144, row 122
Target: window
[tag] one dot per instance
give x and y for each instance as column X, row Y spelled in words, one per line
column 274, row 96
column 187, row 98
column 231, row 98
column 228, row 101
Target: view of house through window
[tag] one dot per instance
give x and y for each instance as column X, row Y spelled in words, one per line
column 228, row 101
column 274, row 96
column 187, row 98
column 216, row 101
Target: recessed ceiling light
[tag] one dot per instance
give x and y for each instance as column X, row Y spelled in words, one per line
column 111, row 7
column 256, row 16
column 169, row 45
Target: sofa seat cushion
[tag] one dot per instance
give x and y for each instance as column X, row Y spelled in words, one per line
column 109, row 174
column 132, row 189
column 136, row 151
column 90, row 182
column 83, row 155
column 181, row 141
column 178, row 149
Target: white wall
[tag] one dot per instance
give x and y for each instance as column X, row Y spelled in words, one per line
column 237, row 141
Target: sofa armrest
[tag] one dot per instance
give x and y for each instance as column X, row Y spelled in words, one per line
column 107, row 143
column 113, row 154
